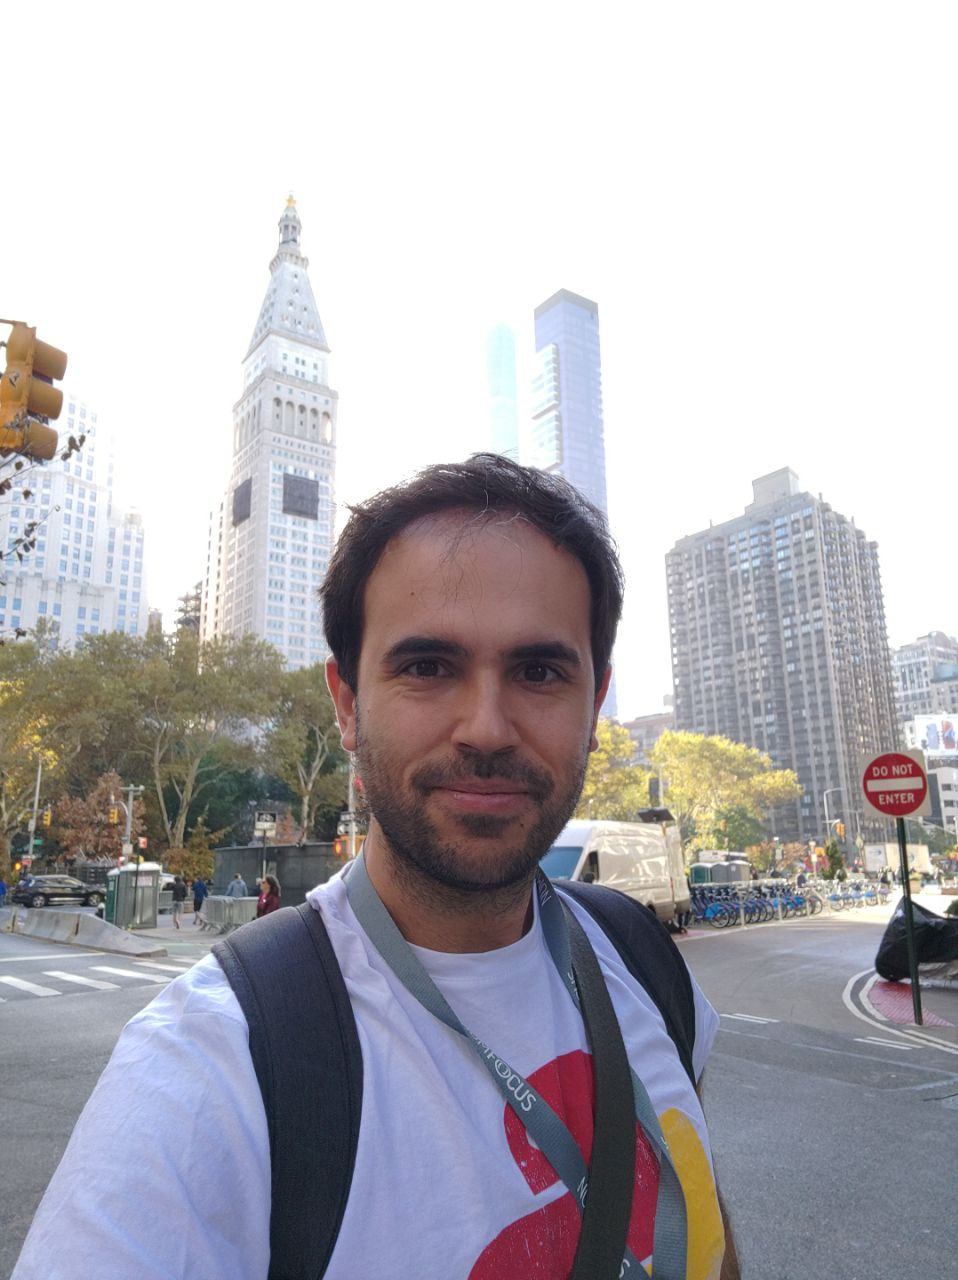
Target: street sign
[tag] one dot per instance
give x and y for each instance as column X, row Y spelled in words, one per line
column 895, row 784
column 37, row 840
column 127, row 848
column 266, row 818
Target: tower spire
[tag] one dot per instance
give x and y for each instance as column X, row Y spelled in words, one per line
column 289, row 307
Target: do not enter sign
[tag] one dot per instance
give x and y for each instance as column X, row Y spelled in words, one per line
column 895, row 784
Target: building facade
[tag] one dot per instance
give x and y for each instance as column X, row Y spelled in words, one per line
column 271, row 536
column 926, row 676
column 85, row 572
column 779, row 641
column 503, row 393
column 567, row 433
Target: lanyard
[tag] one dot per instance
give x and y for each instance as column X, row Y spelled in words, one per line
column 541, row 1122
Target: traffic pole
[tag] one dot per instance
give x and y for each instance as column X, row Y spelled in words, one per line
column 909, row 921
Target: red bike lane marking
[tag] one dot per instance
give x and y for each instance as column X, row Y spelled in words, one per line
column 893, row 1001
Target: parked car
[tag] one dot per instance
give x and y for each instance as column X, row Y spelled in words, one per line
column 41, row 891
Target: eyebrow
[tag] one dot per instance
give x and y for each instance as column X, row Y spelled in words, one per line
column 433, row 646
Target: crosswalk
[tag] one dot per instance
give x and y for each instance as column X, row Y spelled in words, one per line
column 144, row 972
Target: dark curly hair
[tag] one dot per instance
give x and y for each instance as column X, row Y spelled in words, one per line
column 486, row 482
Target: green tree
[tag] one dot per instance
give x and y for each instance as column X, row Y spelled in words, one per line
column 834, row 863
column 302, row 746
column 204, row 704
column 615, row 786
column 708, row 776
column 24, row 739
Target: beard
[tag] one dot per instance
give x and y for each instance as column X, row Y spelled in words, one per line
column 494, row 857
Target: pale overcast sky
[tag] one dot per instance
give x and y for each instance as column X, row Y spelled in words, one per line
column 761, row 198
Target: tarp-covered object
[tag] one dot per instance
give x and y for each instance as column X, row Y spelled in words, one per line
column 936, row 940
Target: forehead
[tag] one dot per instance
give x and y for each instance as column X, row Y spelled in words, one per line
column 460, row 569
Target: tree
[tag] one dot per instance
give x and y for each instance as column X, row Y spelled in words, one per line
column 195, row 861
column 835, row 863
column 82, row 823
column 615, row 786
column 302, row 746
column 707, row 777
column 23, row 740
column 203, row 706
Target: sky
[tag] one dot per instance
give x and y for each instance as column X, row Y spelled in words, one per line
column 761, row 198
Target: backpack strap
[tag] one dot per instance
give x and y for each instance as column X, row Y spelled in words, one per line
column 307, row 1058
column 650, row 955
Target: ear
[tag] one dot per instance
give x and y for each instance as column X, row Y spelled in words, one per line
column 344, row 700
column 600, row 693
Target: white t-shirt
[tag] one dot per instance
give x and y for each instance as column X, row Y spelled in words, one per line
column 167, row 1173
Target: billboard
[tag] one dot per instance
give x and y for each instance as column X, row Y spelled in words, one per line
column 936, row 735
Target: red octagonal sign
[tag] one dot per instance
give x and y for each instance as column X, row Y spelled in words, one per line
column 895, row 784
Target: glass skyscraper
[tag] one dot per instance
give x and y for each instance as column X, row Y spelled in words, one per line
column 567, row 433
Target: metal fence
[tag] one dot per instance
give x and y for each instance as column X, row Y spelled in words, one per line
column 220, row 914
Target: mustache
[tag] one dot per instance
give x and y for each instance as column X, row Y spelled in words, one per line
column 484, row 768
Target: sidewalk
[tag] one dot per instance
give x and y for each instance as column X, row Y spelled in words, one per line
column 188, row 935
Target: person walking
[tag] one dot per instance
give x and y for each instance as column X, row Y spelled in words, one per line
column 507, row 1051
column 179, row 897
column 200, row 893
column 269, row 897
column 3, row 891
column 237, row 887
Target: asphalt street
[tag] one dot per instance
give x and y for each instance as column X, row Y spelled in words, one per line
column 834, row 1131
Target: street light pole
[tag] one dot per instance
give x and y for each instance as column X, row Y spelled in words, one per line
column 829, row 823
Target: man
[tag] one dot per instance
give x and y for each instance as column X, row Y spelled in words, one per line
column 471, row 616
column 237, row 887
column 200, row 892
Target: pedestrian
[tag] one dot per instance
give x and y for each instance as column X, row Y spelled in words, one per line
column 3, row 891
column 470, row 615
column 237, row 887
column 200, row 892
column 269, row 897
column 179, row 897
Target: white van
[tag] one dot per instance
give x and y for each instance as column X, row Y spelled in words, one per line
column 642, row 859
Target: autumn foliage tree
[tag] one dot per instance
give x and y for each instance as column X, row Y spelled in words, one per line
column 81, row 824
column 712, row 783
column 302, row 746
column 615, row 786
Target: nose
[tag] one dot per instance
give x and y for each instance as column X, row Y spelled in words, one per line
column 485, row 722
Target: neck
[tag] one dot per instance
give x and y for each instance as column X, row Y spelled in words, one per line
column 440, row 918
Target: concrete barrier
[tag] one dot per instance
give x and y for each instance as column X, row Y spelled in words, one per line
column 76, row 928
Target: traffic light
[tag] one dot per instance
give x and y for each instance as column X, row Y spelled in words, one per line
column 27, row 393
column 114, row 815
column 339, row 847
column 840, row 830
column 47, row 816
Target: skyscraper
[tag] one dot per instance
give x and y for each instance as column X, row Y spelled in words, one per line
column 567, row 433
column 503, row 407
column 779, row 641
column 85, row 574
column 271, row 537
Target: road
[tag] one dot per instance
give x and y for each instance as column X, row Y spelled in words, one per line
column 834, row 1132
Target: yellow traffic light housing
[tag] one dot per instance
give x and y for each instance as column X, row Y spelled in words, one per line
column 47, row 816
column 114, row 815
column 27, row 393
column 840, row 830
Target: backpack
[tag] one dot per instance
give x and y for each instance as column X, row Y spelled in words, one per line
column 303, row 1031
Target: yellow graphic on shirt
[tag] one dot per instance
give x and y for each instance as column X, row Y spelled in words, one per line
column 706, row 1243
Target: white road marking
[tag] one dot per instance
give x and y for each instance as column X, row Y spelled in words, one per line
column 914, row 1036
column 33, row 987
column 56, row 955
column 170, row 968
column 131, row 973
column 83, row 982
column 892, row 1044
column 748, row 1017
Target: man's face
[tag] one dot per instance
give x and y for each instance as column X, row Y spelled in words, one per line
column 476, row 706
